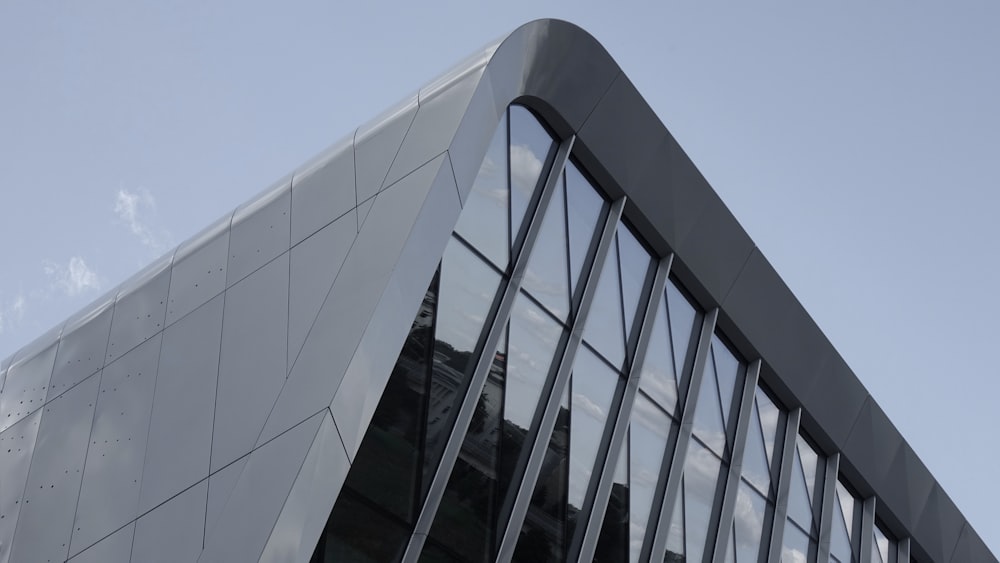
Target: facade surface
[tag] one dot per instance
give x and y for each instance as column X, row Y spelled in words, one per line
column 507, row 320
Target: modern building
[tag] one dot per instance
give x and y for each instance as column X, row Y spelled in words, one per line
column 508, row 320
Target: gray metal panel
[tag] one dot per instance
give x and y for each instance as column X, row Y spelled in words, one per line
column 376, row 353
column 473, row 135
column 311, row 499
column 180, row 429
column 260, row 231
column 908, row 487
column 220, row 486
column 25, row 387
column 17, row 443
column 112, row 549
column 253, row 507
column 109, row 494
column 442, row 106
column 872, row 446
column 46, row 520
column 323, row 190
column 83, row 346
column 940, row 525
column 970, row 547
column 253, row 360
column 376, row 145
column 364, row 209
column 867, row 531
column 315, row 263
column 140, row 308
column 173, row 532
column 366, row 273
column 199, row 270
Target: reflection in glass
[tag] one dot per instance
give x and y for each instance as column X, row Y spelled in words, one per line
column 709, row 425
column 759, row 450
column 531, row 151
column 702, row 471
column 648, row 436
column 605, row 329
column 797, row 547
column 546, row 277
column 483, row 221
column 883, row 548
column 671, row 343
column 684, row 321
column 594, row 387
column 585, row 214
column 612, row 544
column 801, row 527
column 636, row 264
column 750, row 515
column 675, row 533
column 845, row 517
column 358, row 532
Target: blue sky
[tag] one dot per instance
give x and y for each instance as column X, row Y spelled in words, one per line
column 857, row 142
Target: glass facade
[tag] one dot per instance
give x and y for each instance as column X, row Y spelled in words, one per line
column 541, row 258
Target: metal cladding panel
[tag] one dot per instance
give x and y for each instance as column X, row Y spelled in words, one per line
column 109, row 494
column 82, row 347
column 46, row 521
column 442, row 106
column 179, row 446
column 253, row 361
column 311, row 499
column 253, row 507
column 340, row 324
column 173, row 532
column 17, row 444
column 112, row 549
column 140, row 309
column 376, row 145
column 315, row 263
column 970, row 547
column 199, row 270
column 364, row 209
column 25, row 387
column 908, row 485
column 872, row 445
column 260, row 231
column 220, row 486
column 940, row 525
column 371, row 365
column 323, row 190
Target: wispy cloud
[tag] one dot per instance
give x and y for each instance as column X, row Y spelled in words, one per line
column 133, row 208
column 12, row 312
column 72, row 279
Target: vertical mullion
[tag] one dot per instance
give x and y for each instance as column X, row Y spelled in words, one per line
column 829, row 497
column 590, row 531
column 903, row 551
column 867, row 530
column 463, row 419
column 736, row 463
column 675, row 462
column 534, row 465
column 784, row 485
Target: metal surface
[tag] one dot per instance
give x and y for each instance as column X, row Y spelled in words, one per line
column 109, row 493
column 784, row 481
column 260, row 231
column 140, row 308
column 82, row 346
column 199, row 270
column 173, row 532
column 736, row 464
column 323, row 190
column 867, row 530
column 589, row 533
column 24, row 389
column 252, row 361
column 829, row 497
column 249, row 514
column 376, row 145
column 115, row 547
column 512, row 531
column 17, row 444
column 674, row 462
column 179, row 444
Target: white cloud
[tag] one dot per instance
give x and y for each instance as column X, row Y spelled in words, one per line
column 11, row 313
column 133, row 209
column 74, row 278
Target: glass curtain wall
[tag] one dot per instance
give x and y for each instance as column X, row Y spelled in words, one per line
column 884, row 549
column 804, row 500
column 846, row 523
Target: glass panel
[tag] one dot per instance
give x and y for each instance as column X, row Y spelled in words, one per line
column 465, row 522
column 594, row 390
column 806, row 478
column 635, row 263
column 468, row 287
column 771, row 419
column 531, row 149
column 356, row 531
column 797, row 547
column 750, row 514
column 708, row 424
column 586, row 209
column 728, row 370
column 483, row 221
column 543, row 536
column 546, row 277
column 701, row 481
column 756, row 469
column 883, row 549
column 675, row 533
column 844, row 515
column 658, row 379
column 649, row 434
column 612, row 545
column 605, row 324
column 684, row 321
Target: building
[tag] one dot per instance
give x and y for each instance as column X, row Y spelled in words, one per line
column 506, row 320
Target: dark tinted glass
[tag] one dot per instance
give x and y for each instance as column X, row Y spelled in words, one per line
column 613, row 543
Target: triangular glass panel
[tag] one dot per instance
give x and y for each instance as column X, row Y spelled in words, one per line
column 531, row 150
column 756, row 469
column 546, row 277
column 635, row 265
column 769, row 416
column 585, row 208
column 708, row 425
column 676, row 532
column 810, row 466
column 727, row 371
column 484, row 218
column 657, row 378
column 847, row 504
column 605, row 323
column 648, row 436
column 799, row 504
column 683, row 319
